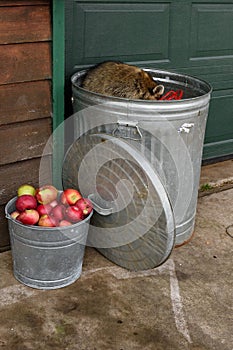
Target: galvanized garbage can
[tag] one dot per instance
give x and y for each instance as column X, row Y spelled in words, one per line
column 46, row 258
column 168, row 134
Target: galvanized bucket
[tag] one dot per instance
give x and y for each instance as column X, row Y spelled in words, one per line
column 46, row 258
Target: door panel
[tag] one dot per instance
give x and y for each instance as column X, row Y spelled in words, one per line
column 128, row 31
column 211, row 30
column 211, row 58
column 220, row 121
column 190, row 37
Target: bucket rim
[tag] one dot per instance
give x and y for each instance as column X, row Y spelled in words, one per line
column 43, row 228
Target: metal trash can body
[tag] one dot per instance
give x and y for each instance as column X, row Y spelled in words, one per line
column 170, row 135
column 46, row 258
column 133, row 224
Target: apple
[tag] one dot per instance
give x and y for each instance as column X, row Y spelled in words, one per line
column 53, row 203
column 70, row 196
column 74, row 214
column 85, row 205
column 64, row 223
column 47, row 221
column 29, row 217
column 15, row 214
column 26, row 189
column 26, row 201
column 44, row 209
column 46, row 194
column 58, row 212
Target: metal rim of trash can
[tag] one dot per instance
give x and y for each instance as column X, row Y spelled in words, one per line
column 162, row 77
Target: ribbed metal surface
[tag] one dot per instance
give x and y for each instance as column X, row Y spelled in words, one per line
column 172, row 135
column 139, row 233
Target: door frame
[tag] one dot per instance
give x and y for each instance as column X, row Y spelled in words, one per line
column 58, row 83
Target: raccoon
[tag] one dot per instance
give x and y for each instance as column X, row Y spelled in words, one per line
column 122, row 80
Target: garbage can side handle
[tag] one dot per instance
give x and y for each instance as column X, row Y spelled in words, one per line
column 100, row 205
column 118, row 132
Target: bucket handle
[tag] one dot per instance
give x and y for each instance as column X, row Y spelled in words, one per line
column 101, row 206
column 119, row 131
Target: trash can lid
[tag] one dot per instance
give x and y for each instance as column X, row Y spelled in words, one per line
column 133, row 224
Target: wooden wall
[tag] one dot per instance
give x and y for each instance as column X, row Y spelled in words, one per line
column 25, row 96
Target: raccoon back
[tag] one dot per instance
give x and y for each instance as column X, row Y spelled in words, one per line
column 121, row 80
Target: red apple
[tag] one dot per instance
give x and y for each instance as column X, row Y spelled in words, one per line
column 29, row 217
column 26, row 201
column 26, row 189
column 58, row 212
column 85, row 205
column 44, row 209
column 53, row 203
column 47, row 221
column 74, row 214
column 15, row 214
column 70, row 196
column 64, row 223
column 46, row 194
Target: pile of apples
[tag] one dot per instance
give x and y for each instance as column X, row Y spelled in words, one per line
column 45, row 207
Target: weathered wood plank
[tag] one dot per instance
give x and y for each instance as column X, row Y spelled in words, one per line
column 25, row 98
column 23, row 141
column 24, row 24
column 21, row 2
column 4, row 234
column 25, row 62
column 25, row 101
column 14, row 175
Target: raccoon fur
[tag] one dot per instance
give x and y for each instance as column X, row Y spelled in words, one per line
column 122, row 80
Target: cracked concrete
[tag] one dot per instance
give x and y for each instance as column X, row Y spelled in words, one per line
column 185, row 304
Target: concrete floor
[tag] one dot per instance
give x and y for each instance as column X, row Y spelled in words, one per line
column 184, row 304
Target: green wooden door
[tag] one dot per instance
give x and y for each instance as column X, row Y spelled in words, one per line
column 190, row 37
